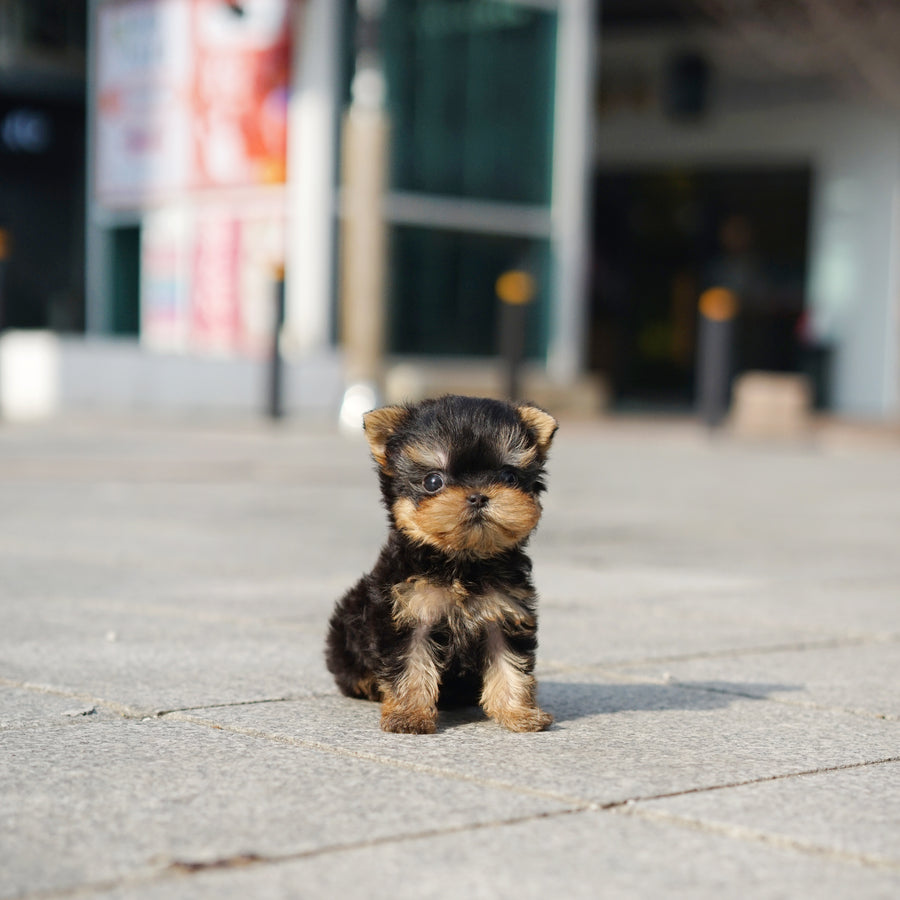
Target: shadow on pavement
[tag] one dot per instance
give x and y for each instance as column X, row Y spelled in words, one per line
column 569, row 700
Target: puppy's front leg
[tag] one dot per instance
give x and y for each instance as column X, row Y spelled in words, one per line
column 509, row 692
column 410, row 700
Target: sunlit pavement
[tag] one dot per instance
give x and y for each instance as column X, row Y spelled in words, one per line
column 719, row 645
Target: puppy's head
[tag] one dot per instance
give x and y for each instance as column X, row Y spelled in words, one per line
column 462, row 474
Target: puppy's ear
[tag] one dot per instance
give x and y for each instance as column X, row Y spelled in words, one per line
column 379, row 425
column 542, row 424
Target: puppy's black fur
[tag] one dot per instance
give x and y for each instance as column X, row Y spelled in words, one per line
column 447, row 615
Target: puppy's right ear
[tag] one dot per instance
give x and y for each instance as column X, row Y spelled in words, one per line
column 379, row 425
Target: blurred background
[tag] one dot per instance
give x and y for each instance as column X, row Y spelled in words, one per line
column 186, row 185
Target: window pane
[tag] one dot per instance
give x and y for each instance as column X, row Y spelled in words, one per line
column 442, row 299
column 470, row 88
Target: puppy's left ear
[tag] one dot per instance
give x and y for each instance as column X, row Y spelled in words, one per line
column 542, row 424
column 379, row 425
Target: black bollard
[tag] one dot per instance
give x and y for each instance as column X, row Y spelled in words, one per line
column 276, row 365
column 4, row 255
column 718, row 308
column 515, row 289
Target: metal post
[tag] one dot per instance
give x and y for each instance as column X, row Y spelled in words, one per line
column 276, row 363
column 516, row 289
column 4, row 255
column 718, row 308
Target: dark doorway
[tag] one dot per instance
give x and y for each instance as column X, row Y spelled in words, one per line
column 662, row 237
column 42, row 212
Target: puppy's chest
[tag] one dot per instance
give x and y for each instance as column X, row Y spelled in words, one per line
column 419, row 602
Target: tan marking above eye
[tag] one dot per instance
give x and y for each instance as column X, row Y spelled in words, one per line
column 425, row 456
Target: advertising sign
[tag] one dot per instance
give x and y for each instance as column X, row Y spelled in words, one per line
column 190, row 127
column 207, row 278
column 191, row 94
column 240, row 91
column 143, row 131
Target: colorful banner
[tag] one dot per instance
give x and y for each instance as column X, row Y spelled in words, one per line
column 191, row 94
column 208, row 279
column 143, row 130
column 240, row 91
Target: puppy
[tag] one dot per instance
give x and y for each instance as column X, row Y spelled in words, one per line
column 447, row 615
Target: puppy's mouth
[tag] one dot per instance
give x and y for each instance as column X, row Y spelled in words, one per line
column 459, row 520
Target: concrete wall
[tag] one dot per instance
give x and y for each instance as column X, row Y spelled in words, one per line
column 42, row 373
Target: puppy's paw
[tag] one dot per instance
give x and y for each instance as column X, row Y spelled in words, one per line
column 525, row 719
column 415, row 721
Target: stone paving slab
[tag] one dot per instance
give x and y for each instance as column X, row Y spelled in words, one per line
column 743, row 510
column 25, row 709
column 147, row 663
column 612, row 742
column 585, row 855
column 97, row 797
column 854, row 605
column 719, row 629
column 242, row 530
column 859, row 677
column 606, row 616
column 864, row 803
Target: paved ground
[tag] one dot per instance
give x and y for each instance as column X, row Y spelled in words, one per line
column 720, row 645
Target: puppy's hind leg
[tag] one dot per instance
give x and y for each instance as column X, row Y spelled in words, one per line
column 344, row 659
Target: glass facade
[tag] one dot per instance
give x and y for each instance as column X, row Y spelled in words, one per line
column 470, row 86
column 442, row 297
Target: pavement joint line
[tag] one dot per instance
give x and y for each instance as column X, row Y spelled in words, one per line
column 137, row 713
column 834, row 643
column 178, row 868
column 782, row 841
column 130, row 712
column 577, row 803
column 175, row 869
column 764, row 779
column 121, row 709
column 164, row 713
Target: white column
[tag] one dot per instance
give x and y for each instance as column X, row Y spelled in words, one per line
column 576, row 40
column 312, row 118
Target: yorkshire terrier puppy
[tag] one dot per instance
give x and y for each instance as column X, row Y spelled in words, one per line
column 447, row 615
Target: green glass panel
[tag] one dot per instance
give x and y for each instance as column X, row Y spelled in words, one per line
column 125, row 281
column 470, row 101
column 443, row 299
column 470, row 96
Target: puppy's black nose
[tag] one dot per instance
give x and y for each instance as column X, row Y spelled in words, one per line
column 476, row 501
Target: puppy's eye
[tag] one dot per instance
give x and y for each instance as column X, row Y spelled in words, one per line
column 508, row 477
column 433, row 482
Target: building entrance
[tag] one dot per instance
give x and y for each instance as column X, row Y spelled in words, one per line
column 660, row 238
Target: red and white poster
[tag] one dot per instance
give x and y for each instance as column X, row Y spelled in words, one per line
column 240, row 92
column 191, row 105
column 143, row 127
column 215, row 323
column 208, row 278
column 166, row 237
column 191, row 94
